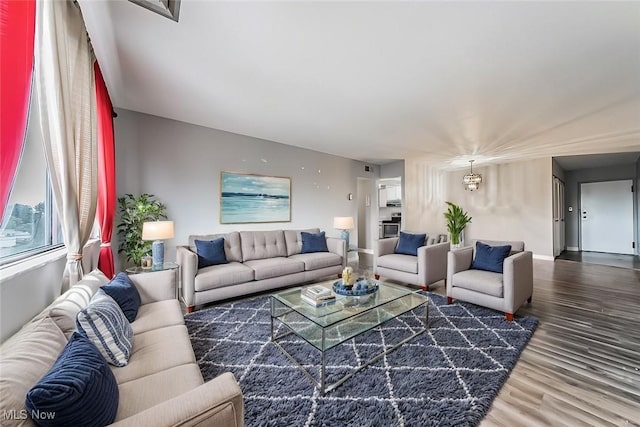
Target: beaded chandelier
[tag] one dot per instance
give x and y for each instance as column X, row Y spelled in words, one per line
column 472, row 180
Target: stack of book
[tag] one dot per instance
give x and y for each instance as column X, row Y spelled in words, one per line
column 317, row 296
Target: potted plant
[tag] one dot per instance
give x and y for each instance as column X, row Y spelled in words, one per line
column 457, row 220
column 133, row 213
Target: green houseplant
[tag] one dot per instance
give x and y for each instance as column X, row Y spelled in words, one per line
column 457, row 220
column 133, row 213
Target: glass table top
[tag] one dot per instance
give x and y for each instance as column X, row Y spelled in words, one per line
column 165, row 266
column 346, row 307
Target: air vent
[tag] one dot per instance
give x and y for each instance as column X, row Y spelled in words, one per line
column 167, row 8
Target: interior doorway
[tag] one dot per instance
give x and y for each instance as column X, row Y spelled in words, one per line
column 367, row 218
column 559, row 244
column 606, row 217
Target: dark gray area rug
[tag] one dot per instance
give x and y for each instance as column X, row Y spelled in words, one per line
column 446, row 376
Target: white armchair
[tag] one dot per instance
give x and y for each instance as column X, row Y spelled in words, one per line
column 504, row 292
column 428, row 267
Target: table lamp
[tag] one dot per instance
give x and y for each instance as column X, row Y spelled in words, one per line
column 344, row 223
column 157, row 231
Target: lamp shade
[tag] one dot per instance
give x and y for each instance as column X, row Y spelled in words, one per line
column 343, row 223
column 157, row 230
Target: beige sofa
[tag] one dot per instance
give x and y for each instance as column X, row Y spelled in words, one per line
column 160, row 386
column 428, row 267
column 257, row 261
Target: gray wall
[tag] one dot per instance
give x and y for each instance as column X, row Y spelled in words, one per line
column 637, row 190
column 393, row 170
column 557, row 170
column 572, row 195
column 181, row 163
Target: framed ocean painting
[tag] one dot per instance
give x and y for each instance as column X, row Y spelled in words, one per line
column 247, row 198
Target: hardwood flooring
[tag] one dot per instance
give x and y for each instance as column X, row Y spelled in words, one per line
column 614, row 260
column 582, row 365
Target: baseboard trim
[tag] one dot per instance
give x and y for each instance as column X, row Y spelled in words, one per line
column 573, row 249
column 543, row 257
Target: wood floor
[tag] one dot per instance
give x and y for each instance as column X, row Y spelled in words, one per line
column 582, row 365
column 614, row 260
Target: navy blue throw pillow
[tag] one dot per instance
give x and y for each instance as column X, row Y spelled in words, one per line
column 78, row 390
column 210, row 252
column 124, row 292
column 490, row 258
column 409, row 243
column 313, row 242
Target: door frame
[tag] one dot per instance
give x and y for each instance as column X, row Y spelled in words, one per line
column 634, row 204
column 367, row 206
column 558, row 206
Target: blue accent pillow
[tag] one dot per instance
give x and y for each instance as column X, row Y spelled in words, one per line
column 409, row 243
column 106, row 326
column 79, row 389
column 490, row 258
column 313, row 242
column 210, row 252
column 124, row 292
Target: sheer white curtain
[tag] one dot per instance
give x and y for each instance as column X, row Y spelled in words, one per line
column 66, row 89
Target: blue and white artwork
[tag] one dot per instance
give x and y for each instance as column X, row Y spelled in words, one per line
column 254, row 198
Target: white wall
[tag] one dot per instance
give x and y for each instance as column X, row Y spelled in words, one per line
column 28, row 286
column 512, row 203
column 26, row 290
column 181, row 163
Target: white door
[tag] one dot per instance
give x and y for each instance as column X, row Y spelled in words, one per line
column 606, row 212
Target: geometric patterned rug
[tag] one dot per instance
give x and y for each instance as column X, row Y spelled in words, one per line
column 446, row 376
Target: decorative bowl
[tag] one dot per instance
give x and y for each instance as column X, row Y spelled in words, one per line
column 363, row 286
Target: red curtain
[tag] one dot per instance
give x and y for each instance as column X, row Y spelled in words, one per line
column 106, row 173
column 17, row 29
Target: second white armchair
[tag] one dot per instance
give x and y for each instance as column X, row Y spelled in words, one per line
column 428, row 266
column 505, row 291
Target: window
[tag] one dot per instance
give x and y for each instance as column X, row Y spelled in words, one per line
column 30, row 224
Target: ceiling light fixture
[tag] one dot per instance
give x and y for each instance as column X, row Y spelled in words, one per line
column 472, row 180
column 167, row 8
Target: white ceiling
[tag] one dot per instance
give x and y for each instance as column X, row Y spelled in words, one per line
column 375, row 81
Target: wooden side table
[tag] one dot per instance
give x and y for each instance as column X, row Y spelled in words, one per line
column 166, row 266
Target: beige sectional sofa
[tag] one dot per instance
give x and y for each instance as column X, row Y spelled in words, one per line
column 160, row 386
column 257, row 261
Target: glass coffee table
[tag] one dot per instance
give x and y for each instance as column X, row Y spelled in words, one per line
column 328, row 326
